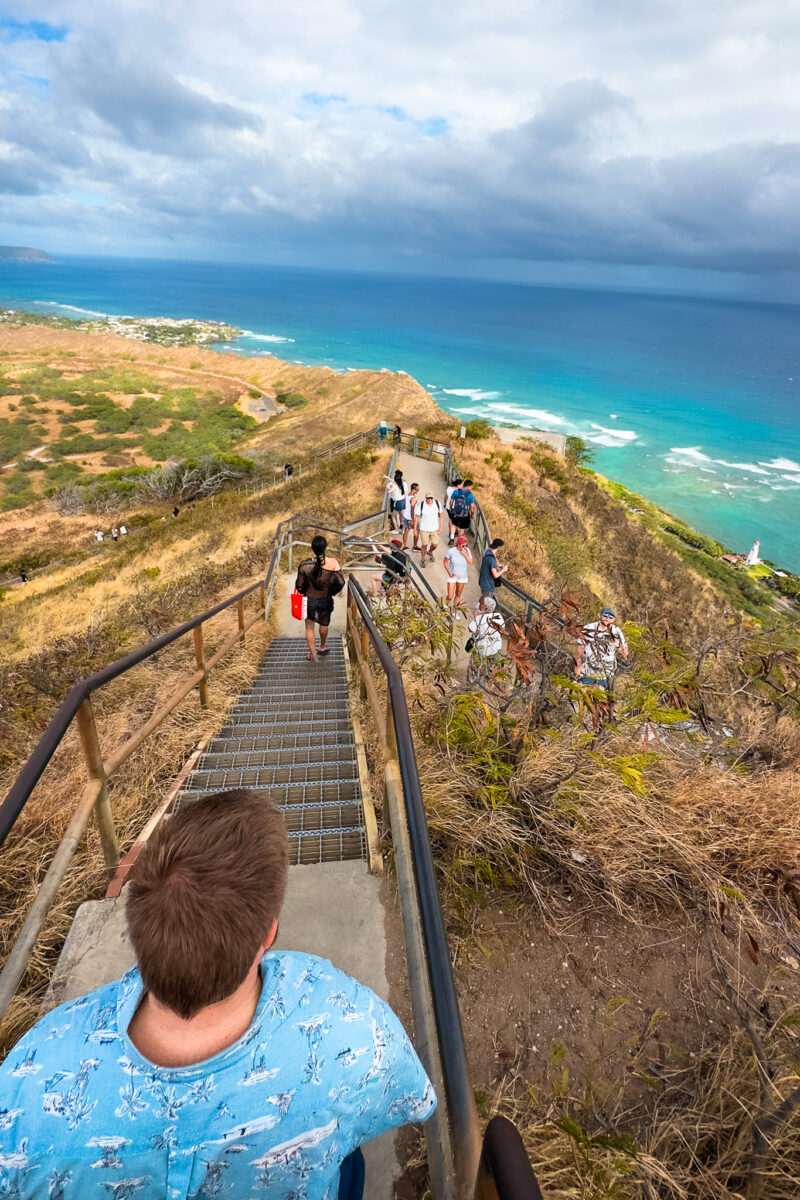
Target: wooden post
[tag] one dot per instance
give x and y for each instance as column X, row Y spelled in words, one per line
column 262, row 598
column 415, row 450
column 240, row 618
column 391, row 740
column 199, row 658
column 364, row 657
column 87, row 731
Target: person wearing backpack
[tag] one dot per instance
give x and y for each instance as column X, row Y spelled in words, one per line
column 462, row 506
column 448, row 500
column 428, row 525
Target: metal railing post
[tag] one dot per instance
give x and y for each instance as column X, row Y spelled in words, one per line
column 240, row 618
column 90, row 743
column 289, row 547
column 199, row 659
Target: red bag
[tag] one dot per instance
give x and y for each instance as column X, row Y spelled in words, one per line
column 299, row 606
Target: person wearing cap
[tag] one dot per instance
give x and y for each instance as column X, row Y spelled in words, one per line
column 457, row 562
column 428, row 525
column 598, row 644
column 487, row 630
column 395, row 566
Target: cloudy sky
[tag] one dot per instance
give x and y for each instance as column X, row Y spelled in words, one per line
column 549, row 139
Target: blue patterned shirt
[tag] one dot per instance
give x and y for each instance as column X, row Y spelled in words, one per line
column 324, row 1066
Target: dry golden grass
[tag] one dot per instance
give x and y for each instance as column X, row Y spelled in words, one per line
column 135, row 791
column 65, row 618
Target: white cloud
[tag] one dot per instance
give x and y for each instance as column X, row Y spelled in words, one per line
column 637, row 132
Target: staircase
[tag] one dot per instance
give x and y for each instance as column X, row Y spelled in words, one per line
column 290, row 736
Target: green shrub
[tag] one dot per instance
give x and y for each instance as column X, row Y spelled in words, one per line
column 479, row 427
column 254, row 394
column 21, row 500
column 550, row 466
column 693, row 538
column 291, row 399
column 789, row 586
column 69, row 429
column 15, row 438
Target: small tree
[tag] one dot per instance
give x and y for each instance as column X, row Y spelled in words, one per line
column 577, row 450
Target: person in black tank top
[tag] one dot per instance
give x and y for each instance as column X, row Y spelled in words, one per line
column 319, row 579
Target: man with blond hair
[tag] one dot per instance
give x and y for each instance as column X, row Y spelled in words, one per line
column 216, row 1065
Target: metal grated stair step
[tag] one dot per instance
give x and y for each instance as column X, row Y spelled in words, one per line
column 266, row 740
column 290, row 736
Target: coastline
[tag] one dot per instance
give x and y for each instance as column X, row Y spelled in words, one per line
column 681, row 439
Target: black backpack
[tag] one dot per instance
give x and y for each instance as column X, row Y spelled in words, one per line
column 459, row 506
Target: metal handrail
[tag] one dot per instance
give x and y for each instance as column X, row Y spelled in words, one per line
column 254, row 486
column 461, row 1113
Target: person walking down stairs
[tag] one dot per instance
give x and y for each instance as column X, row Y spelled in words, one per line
column 319, row 579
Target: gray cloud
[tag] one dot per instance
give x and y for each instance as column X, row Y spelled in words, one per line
column 652, row 134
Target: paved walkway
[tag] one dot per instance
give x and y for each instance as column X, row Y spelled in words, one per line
column 430, row 479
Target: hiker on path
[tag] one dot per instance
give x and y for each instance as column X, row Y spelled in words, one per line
column 412, row 497
column 115, row 534
column 457, row 562
column 490, row 573
column 98, row 535
column 598, row 645
column 487, row 629
column 319, row 579
column 427, row 526
column 123, row 531
column 397, row 490
column 216, row 1057
column 462, row 508
column 448, row 500
column 397, row 435
column 382, row 431
column 395, row 566
column 23, row 576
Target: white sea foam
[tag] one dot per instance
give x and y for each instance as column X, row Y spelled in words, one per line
column 605, row 439
column 741, row 466
column 89, row 312
column 613, row 416
column 265, row 337
column 523, row 415
column 693, row 452
column 611, row 437
column 781, row 464
column 734, row 487
column 792, row 478
column 472, row 393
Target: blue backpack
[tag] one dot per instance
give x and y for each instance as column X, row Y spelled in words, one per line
column 459, row 507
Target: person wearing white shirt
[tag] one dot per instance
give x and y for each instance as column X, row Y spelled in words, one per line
column 457, row 561
column 487, row 629
column 598, row 645
column 428, row 525
column 408, row 515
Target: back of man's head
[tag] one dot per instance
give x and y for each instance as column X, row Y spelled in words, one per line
column 204, row 895
column 496, row 543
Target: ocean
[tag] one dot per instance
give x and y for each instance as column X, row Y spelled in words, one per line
column 692, row 402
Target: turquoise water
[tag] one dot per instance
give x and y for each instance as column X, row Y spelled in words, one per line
column 692, row 402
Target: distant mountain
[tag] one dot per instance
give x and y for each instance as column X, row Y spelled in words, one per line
column 24, row 254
